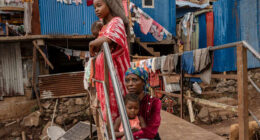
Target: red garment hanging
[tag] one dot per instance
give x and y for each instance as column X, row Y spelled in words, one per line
column 210, row 28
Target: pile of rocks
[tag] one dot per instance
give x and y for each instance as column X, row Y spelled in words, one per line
column 69, row 110
column 227, row 86
column 210, row 115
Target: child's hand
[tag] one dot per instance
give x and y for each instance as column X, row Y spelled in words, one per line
column 92, row 48
column 135, row 129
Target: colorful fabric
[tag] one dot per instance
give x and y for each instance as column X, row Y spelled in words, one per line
column 134, row 123
column 145, row 24
column 143, row 74
column 150, row 108
column 114, row 30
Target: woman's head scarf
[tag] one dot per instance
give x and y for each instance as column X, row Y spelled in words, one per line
column 143, row 74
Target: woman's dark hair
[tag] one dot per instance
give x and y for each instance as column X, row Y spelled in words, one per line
column 117, row 10
column 131, row 97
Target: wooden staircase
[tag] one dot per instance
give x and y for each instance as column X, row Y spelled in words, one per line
column 148, row 49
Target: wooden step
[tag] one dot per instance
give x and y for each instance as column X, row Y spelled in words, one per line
column 148, row 49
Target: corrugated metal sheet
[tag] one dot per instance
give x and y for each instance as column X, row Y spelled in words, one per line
column 62, row 84
column 250, row 27
column 235, row 20
column 11, row 75
column 164, row 12
column 63, row 19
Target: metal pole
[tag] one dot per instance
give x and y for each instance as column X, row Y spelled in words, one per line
column 251, row 49
column 118, row 93
column 108, row 109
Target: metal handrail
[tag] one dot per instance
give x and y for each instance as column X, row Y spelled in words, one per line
column 108, row 109
column 118, row 93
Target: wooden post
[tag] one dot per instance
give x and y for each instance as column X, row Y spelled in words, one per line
column 106, row 80
column 42, row 53
column 189, row 104
column 242, row 92
column 181, row 98
column 34, row 76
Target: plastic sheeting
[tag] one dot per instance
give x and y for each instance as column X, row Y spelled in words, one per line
column 235, row 20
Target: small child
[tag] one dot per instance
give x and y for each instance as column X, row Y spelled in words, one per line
column 96, row 28
column 132, row 109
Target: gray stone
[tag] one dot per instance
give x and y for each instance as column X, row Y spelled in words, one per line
column 79, row 101
column 32, row 120
column 75, row 121
column 15, row 134
column 46, row 105
column 231, row 82
column 74, row 109
column 203, row 112
column 59, row 120
column 44, row 130
column 70, row 102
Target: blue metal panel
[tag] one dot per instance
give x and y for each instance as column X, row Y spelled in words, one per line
column 163, row 12
column 225, row 31
column 202, row 31
column 63, row 19
column 235, row 20
column 250, row 27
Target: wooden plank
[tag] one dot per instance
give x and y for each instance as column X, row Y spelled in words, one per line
column 34, row 78
column 202, row 101
column 9, row 8
column 181, row 98
column 43, row 54
column 215, row 76
column 175, row 128
column 189, row 104
column 49, row 37
column 242, row 92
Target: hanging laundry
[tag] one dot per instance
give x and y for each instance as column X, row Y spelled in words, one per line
column 202, row 64
column 154, row 79
column 201, row 59
column 171, row 87
column 170, row 63
column 210, row 29
column 163, row 58
column 145, row 24
column 187, row 62
column 157, row 31
column 86, row 80
column 89, row 2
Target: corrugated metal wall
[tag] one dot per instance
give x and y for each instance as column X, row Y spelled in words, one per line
column 164, row 12
column 57, row 85
column 235, row 20
column 62, row 19
column 11, row 75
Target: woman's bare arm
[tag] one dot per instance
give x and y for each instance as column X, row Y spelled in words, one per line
column 95, row 45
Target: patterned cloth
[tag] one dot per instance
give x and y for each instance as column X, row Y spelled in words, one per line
column 143, row 74
column 115, row 31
